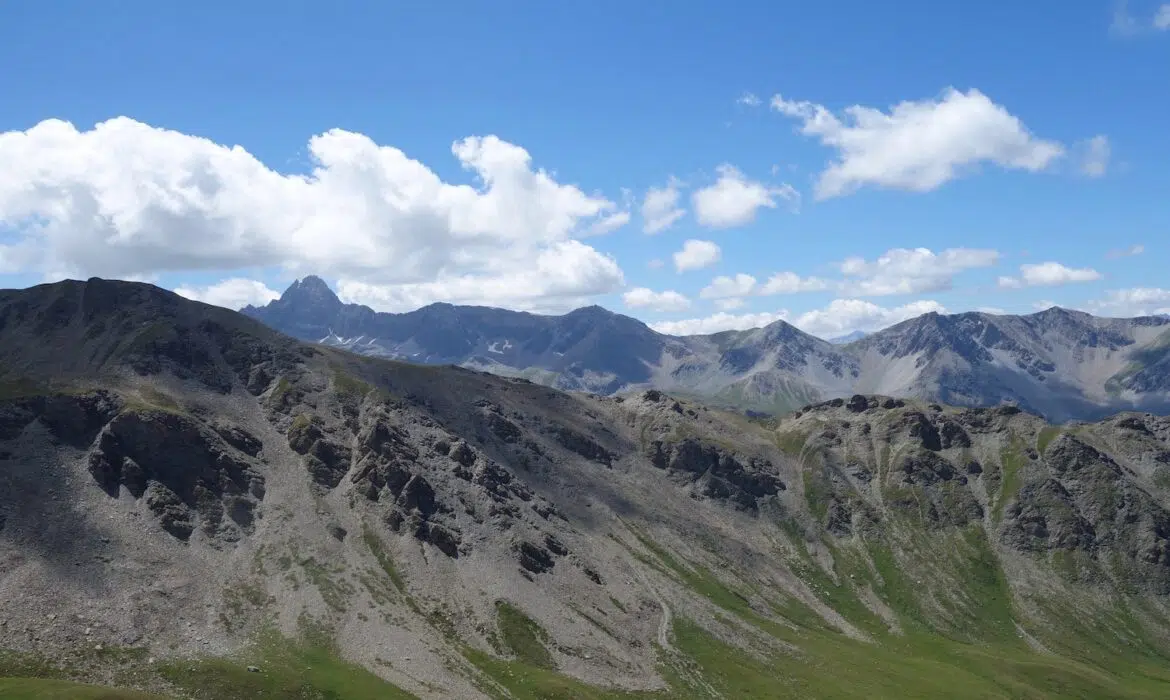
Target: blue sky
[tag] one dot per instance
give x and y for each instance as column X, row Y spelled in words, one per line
column 872, row 161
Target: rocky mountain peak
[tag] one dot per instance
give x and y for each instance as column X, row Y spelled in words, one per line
column 927, row 334
column 592, row 311
column 310, row 292
column 782, row 331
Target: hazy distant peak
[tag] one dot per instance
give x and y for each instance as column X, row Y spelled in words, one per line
column 847, row 338
column 311, row 290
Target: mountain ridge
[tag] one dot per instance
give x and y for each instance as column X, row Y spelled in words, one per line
column 1064, row 364
column 196, row 505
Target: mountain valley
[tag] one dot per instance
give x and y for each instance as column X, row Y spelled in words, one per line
column 194, row 505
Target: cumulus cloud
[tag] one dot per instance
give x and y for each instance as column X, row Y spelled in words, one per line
column 643, row 298
column 562, row 277
column 792, row 283
column 911, row 271
column 724, row 287
column 718, row 322
column 733, row 199
column 844, row 316
column 125, row 199
column 839, row 317
column 1136, row 301
column 234, row 293
column 1093, row 156
column 917, row 145
column 660, row 207
column 695, row 255
column 1048, row 274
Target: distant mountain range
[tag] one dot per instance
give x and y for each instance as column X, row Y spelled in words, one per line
column 1059, row 363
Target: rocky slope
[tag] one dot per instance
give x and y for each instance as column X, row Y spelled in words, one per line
column 180, row 486
column 1058, row 363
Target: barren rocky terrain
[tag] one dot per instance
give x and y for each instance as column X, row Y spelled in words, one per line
column 194, row 505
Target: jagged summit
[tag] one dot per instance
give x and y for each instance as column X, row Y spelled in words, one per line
column 312, row 293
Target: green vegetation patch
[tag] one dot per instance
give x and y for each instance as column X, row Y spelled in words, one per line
column 523, row 636
column 334, row 590
column 836, row 667
column 523, row 681
column 348, row 386
column 1047, row 434
column 285, row 670
column 1013, row 460
column 791, row 442
column 383, row 557
column 48, row 689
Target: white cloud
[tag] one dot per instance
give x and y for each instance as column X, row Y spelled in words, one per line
column 792, row 283
column 1131, row 251
column 1048, row 274
column 721, row 321
column 843, row 316
column 729, row 304
column 643, row 298
column 733, row 200
column 749, row 99
column 1137, row 301
column 917, row 146
column 695, row 255
column 1162, row 18
column 607, row 224
column 1093, row 155
column 840, row 317
column 563, row 277
column 994, row 310
column 724, row 287
column 1125, row 23
column 911, row 271
column 125, row 199
column 234, row 293
column 660, row 209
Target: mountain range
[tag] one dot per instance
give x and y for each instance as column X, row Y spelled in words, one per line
column 1059, row 363
column 193, row 505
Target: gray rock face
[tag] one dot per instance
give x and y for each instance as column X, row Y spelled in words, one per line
column 717, row 472
column 1058, row 363
column 183, row 471
column 1069, row 495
